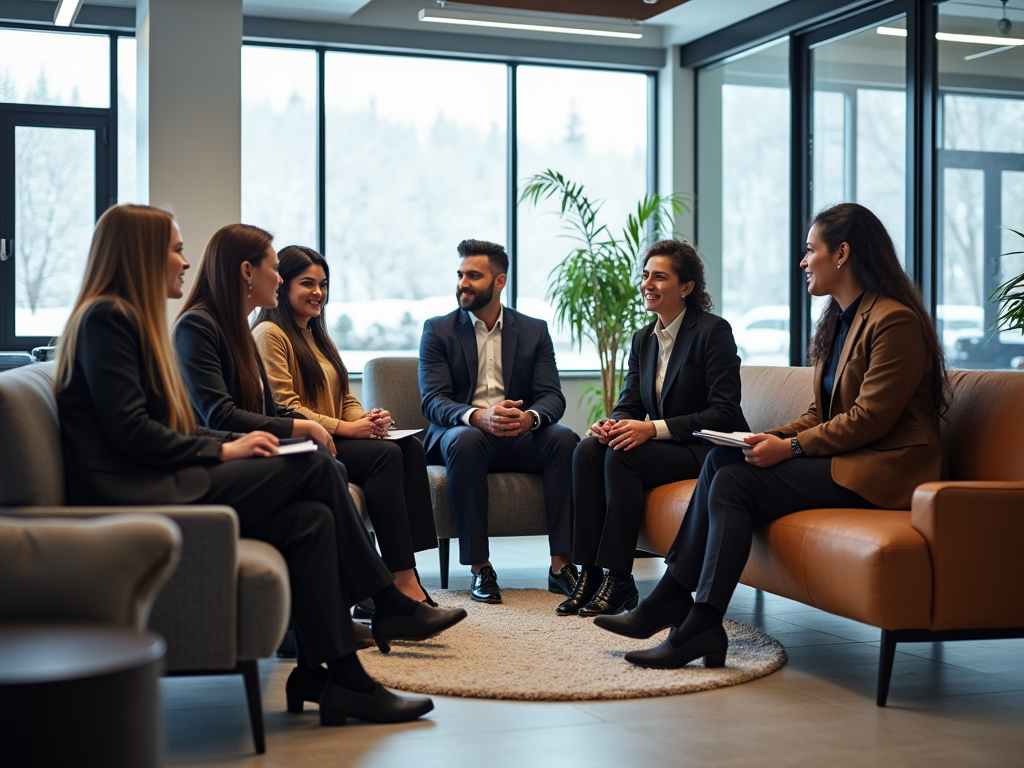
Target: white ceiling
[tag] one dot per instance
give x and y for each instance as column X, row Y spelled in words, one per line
column 679, row 25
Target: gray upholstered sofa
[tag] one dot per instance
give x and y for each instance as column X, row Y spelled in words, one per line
column 516, row 500
column 228, row 602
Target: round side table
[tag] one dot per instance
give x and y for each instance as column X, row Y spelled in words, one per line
column 79, row 695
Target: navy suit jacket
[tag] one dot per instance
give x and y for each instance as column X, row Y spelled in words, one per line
column 702, row 381
column 448, row 368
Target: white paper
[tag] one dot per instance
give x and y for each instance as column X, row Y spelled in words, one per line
column 730, row 439
column 398, row 434
column 307, row 446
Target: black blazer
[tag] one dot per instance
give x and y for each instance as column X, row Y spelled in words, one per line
column 448, row 367
column 211, row 380
column 702, row 383
column 117, row 449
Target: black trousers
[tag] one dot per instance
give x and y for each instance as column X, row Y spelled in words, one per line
column 300, row 505
column 731, row 499
column 608, row 495
column 470, row 453
column 393, row 475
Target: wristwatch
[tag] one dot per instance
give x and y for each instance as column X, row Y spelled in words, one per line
column 797, row 450
column 536, row 420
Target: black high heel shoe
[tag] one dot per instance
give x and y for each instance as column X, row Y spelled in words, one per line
column 337, row 704
column 638, row 625
column 422, row 624
column 304, row 685
column 426, row 595
column 712, row 644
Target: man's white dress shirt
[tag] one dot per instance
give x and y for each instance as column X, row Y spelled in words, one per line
column 490, row 384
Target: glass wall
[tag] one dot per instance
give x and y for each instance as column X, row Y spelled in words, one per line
column 980, row 185
column 743, row 168
column 279, row 137
column 416, row 163
column 54, row 68
column 127, row 99
column 565, row 125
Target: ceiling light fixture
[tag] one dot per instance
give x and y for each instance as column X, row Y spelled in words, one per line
column 631, row 31
column 67, row 12
column 950, row 37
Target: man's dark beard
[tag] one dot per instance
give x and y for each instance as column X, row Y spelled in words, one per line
column 482, row 298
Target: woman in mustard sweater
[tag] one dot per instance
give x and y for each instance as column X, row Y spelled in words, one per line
column 306, row 374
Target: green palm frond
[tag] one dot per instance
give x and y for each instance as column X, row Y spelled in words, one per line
column 594, row 289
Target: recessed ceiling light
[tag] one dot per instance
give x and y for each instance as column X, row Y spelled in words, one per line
column 531, row 24
column 950, row 37
column 67, row 12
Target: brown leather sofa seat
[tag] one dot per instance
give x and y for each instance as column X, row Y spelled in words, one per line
column 948, row 569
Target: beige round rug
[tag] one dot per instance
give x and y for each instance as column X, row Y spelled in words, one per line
column 521, row 649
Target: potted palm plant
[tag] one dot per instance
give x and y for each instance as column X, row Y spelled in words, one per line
column 594, row 289
column 1010, row 296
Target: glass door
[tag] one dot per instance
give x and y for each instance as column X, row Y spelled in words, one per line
column 55, row 185
column 858, row 125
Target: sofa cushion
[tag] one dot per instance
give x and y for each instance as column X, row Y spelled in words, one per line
column 870, row 565
column 664, row 509
column 30, row 448
column 264, row 599
column 515, row 504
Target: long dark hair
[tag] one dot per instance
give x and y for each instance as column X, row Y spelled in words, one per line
column 219, row 289
column 687, row 266
column 877, row 267
column 293, row 261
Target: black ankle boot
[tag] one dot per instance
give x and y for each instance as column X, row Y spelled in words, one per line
column 587, row 585
column 613, row 596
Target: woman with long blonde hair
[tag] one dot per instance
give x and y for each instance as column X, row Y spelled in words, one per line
column 129, row 437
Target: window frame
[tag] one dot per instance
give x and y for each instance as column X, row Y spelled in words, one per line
column 511, row 135
column 104, row 120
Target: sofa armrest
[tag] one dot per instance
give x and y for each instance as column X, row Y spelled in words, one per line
column 974, row 530
column 197, row 610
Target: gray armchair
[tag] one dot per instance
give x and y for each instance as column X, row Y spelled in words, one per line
column 227, row 604
column 516, row 500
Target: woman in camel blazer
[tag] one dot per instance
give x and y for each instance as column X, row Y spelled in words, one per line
column 870, row 436
column 306, row 375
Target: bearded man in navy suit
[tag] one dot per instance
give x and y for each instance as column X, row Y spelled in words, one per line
column 490, row 389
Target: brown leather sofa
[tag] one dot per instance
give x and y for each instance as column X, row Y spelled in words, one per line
column 949, row 568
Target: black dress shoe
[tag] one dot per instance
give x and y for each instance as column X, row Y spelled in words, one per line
column 363, row 609
column 423, row 623
column 304, row 685
column 638, row 625
column 485, row 587
column 712, row 644
column 586, row 587
column 613, row 596
column 563, row 582
column 337, row 704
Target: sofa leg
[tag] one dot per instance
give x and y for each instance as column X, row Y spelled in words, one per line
column 443, row 554
column 251, row 675
column 886, row 656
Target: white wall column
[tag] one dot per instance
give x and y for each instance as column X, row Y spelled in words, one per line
column 190, row 114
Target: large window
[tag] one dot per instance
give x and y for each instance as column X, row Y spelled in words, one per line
column 980, row 178
column 743, row 202
column 55, row 123
column 415, row 164
column 279, row 136
column 416, row 158
column 565, row 125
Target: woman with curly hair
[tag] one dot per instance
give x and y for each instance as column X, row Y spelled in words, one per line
column 684, row 375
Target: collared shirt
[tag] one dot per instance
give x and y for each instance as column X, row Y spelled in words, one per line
column 490, row 383
column 828, row 381
column 666, row 336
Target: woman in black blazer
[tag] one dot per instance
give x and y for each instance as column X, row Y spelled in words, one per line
column 227, row 381
column 130, row 437
column 684, row 375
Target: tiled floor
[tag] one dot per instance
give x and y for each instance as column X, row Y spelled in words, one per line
column 951, row 704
